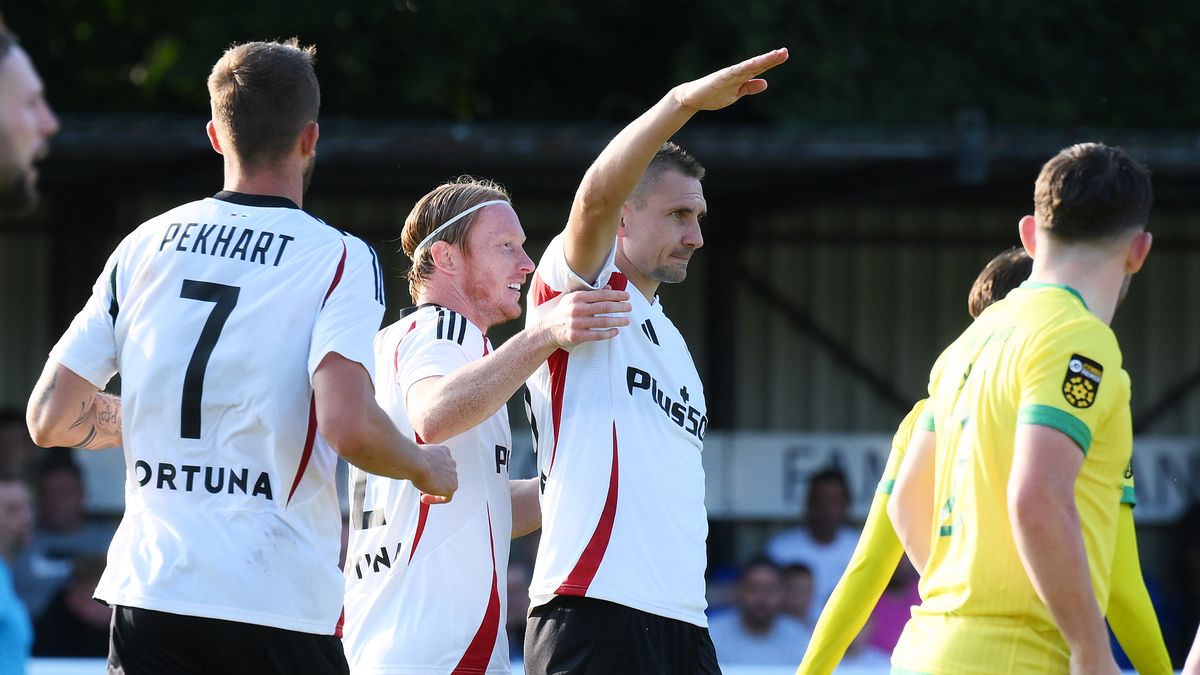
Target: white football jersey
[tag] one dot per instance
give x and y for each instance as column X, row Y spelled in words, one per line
column 426, row 586
column 619, row 427
column 216, row 314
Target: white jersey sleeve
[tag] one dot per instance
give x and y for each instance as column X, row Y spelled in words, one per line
column 443, row 349
column 350, row 309
column 558, row 277
column 88, row 347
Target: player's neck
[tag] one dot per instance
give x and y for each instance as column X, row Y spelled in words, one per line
column 646, row 285
column 274, row 183
column 1099, row 287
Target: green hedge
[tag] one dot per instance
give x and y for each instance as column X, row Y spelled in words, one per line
column 1022, row 62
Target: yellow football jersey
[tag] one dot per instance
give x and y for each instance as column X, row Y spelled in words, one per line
column 1037, row 357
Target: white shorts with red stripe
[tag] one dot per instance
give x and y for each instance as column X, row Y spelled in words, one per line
column 619, row 428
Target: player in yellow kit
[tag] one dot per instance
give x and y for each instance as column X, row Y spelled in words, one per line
column 1031, row 412
column 878, row 550
column 1130, row 612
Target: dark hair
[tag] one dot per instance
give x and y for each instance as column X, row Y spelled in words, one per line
column 759, row 561
column 832, row 474
column 441, row 204
column 669, row 156
column 1002, row 274
column 1091, row 192
column 262, row 95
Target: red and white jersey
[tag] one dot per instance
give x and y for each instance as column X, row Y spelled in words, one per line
column 426, row 586
column 619, row 427
column 216, row 313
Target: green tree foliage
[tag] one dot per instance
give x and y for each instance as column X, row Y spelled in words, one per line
column 1022, row 62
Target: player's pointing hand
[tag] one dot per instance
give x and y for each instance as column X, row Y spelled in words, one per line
column 439, row 480
column 727, row 85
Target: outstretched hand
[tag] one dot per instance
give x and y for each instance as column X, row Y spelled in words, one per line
column 586, row 316
column 722, row 88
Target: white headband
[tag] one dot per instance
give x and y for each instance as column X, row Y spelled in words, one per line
column 428, row 240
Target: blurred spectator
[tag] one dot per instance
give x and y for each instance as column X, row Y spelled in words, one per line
column 757, row 632
column 75, row 624
column 63, row 532
column 824, row 543
column 895, row 607
column 798, row 593
column 520, row 573
column 16, row 522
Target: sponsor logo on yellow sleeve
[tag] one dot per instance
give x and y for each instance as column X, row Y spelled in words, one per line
column 1082, row 381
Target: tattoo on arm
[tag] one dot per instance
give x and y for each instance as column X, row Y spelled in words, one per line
column 108, row 412
column 104, row 415
column 83, row 415
column 49, row 390
column 88, row 439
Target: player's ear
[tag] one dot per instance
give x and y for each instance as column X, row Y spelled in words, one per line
column 1027, row 229
column 1139, row 248
column 443, row 256
column 308, row 139
column 211, row 130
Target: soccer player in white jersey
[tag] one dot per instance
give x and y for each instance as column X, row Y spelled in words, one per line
column 426, row 588
column 618, row 585
column 26, row 125
column 241, row 327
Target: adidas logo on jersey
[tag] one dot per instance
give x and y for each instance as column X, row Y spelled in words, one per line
column 648, row 329
column 688, row 418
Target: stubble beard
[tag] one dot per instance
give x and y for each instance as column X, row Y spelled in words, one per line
column 308, row 174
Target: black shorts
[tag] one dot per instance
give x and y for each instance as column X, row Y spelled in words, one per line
column 145, row 641
column 596, row 637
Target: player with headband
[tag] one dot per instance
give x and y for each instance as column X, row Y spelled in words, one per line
column 425, row 585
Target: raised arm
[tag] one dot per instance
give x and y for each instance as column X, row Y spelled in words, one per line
column 444, row 407
column 1130, row 612
column 1046, row 529
column 596, row 211
column 911, row 506
column 362, row 434
column 67, row 411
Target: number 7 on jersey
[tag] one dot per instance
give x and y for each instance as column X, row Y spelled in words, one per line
column 225, row 299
